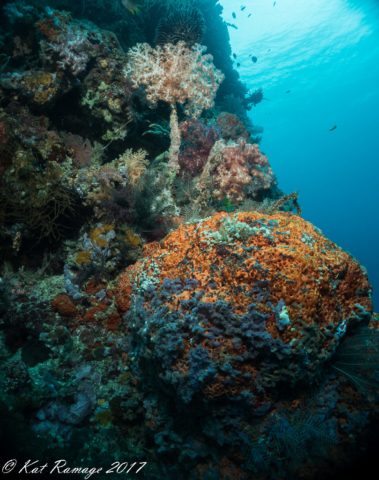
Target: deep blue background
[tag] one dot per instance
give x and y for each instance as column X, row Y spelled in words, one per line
column 326, row 52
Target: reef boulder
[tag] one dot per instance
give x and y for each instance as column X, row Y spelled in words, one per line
column 236, row 304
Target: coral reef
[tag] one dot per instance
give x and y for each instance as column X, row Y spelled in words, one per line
column 160, row 302
column 213, row 325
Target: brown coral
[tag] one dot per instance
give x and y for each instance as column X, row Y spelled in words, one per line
column 64, row 306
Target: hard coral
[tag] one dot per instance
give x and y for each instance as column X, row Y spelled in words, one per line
column 84, row 257
column 243, row 311
column 64, row 306
column 245, row 285
column 36, row 86
column 68, row 45
column 98, row 235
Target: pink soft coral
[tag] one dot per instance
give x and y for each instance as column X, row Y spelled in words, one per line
column 197, row 140
column 235, row 169
column 175, row 74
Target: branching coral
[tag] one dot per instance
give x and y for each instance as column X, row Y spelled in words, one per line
column 175, row 74
column 42, row 210
column 136, row 164
column 34, row 193
column 269, row 206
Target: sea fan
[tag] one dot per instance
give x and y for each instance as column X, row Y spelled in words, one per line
column 258, row 456
column 300, row 433
column 358, row 358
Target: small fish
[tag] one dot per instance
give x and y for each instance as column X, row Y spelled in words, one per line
column 274, row 4
column 238, row 64
column 234, row 55
column 131, row 6
column 242, row 9
column 249, row 15
column 288, row 91
column 234, row 15
column 333, row 128
column 250, row 55
column 254, row 59
column 121, row 201
column 269, row 50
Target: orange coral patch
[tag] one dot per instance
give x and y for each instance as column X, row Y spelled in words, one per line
column 64, row 306
column 112, row 321
column 315, row 278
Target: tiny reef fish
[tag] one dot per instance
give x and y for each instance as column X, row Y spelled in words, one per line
column 288, row 91
column 254, row 59
column 242, row 9
column 234, row 15
column 238, row 64
column 333, row 128
column 131, row 6
column 234, row 55
column 249, row 15
column 122, row 202
column 274, row 4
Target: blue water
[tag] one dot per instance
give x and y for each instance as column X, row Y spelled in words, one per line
column 326, row 52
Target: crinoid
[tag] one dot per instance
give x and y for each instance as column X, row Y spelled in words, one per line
column 181, row 25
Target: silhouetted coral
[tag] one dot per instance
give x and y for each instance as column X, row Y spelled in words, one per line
column 253, row 98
